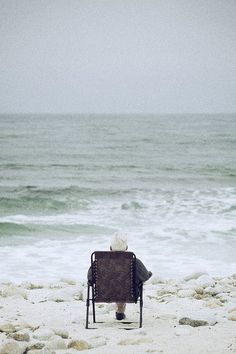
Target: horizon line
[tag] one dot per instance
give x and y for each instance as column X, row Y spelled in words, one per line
column 116, row 114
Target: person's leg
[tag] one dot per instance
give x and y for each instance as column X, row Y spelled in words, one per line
column 120, row 311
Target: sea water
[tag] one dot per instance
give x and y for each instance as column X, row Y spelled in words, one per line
column 68, row 182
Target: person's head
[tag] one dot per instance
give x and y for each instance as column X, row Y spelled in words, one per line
column 119, row 242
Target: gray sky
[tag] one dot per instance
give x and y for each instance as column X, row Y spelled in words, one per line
column 118, row 56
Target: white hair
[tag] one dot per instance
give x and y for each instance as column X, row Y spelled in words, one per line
column 119, row 242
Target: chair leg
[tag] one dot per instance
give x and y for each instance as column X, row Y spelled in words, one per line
column 141, row 307
column 87, row 305
column 93, row 301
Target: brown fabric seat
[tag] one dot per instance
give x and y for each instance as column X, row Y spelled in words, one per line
column 113, row 275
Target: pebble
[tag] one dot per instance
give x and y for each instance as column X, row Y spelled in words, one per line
column 213, row 304
column 223, row 297
column 61, row 333
column 7, row 328
column 194, row 275
column 20, row 337
column 157, row 280
column 56, row 286
column 97, row 342
column 205, row 281
column 191, row 322
column 232, row 317
column 24, row 325
column 11, row 290
column 79, row 345
column 232, row 310
column 79, row 295
column 44, row 351
column 56, row 343
column 68, row 281
column 212, row 291
column 31, row 286
column 199, row 291
column 36, row 346
column 12, row 348
column 43, row 334
column 168, row 289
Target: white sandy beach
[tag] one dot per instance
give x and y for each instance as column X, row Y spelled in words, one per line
column 50, row 318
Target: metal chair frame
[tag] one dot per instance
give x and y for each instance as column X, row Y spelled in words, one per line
column 134, row 298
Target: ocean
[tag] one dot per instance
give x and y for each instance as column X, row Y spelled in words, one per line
column 68, row 182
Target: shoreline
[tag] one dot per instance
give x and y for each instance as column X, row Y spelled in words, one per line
column 195, row 314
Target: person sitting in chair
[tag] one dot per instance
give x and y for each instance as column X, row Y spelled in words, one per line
column 119, row 243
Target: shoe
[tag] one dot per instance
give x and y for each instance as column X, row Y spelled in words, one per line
column 120, row 316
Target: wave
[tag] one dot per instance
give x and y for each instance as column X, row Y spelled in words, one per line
column 131, row 205
column 31, row 199
column 73, row 200
column 29, row 204
column 109, row 166
column 35, row 191
column 17, row 229
column 231, row 209
column 8, row 228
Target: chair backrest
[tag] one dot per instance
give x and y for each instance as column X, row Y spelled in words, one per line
column 114, row 276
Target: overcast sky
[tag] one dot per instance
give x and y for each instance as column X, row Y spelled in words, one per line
column 161, row 56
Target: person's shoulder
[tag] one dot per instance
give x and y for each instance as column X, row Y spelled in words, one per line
column 138, row 260
column 139, row 263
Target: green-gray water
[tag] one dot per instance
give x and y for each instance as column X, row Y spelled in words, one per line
column 68, row 182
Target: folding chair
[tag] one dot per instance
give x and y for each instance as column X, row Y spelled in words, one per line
column 114, row 275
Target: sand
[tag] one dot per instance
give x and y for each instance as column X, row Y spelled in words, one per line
column 196, row 314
